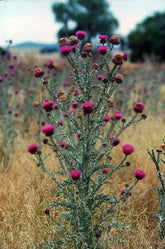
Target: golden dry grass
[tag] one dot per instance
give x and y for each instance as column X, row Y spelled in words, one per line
column 24, row 197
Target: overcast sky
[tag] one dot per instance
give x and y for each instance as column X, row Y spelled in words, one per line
column 33, row 20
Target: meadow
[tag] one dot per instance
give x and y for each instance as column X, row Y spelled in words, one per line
column 26, row 191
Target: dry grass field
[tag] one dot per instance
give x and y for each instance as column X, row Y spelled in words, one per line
column 24, row 199
column 24, row 191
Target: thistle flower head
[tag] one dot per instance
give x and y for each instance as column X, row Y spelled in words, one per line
column 65, row 50
column 61, row 123
column 115, row 141
column 63, row 41
column 6, row 73
column 12, row 74
column 62, row 144
column 15, row 57
column 35, row 104
column 81, row 35
column 50, row 64
column 48, row 130
column 88, row 48
column 47, row 211
column 75, row 174
column 139, row 174
column 11, row 65
column 115, row 39
column 161, row 148
column 75, row 105
column 71, row 111
column 48, row 106
column 118, row 59
column 105, row 170
column 139, row 107
column 32, row 149
column 125, row 56
column 128, row 149
column 73, row 40
column 106, row 118
column 117, row 115
column 103, row 39
column 87, row 107
column 123, row 191
column 102, row 50
column 110, row 103
column 42, row 122
column 10, row 110
column 96, row 66
column 100, row 77
column 38, row 72
column 118, row 78
column 16, row 114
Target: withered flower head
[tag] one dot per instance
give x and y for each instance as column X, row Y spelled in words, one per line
column 72, row 89
column 84, row 54
column 88, row 47
column 79, row 115
column 119, row 78
column 115, row 39
column 62, row 99
column 60, row 92
column 118, row 59
column 161, row 148
column 63, row 41
column 73, row 40
column 38, row 72
column 35, row 104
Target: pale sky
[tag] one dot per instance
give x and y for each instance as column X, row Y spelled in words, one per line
column 33, row 20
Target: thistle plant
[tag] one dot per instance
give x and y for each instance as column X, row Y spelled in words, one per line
column 11, row 79
column 158, row 157
column 82, row 129
column 8, row 121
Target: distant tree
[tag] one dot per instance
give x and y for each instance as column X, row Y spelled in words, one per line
column 92, row 16
column 148, row 38
column 123, row 43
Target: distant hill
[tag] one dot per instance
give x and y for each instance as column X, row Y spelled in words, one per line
column 41, row 47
